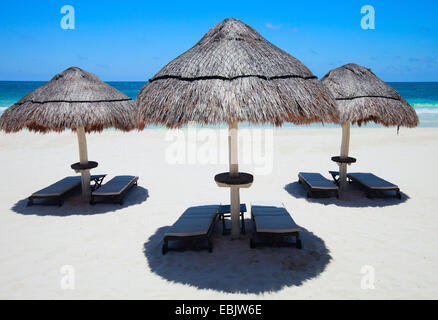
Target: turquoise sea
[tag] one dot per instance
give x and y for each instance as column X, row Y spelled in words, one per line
column 423, row 96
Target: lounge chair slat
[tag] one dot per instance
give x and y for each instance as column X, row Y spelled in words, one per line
column 115, row 186
column 273, row 219
column 317, row 182
column 374, row 185
column 114, row 190
column 59, row 188
column 267, row 211
column 201, row 211
column 371, row 181
column 190, row 226
column 276, row 224
column 194, row 223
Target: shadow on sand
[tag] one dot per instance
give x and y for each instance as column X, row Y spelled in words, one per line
column 73, row 205
column 233, row 267
column 353, row 196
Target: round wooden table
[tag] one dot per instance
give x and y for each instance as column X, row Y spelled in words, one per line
column 243, row 180
column 347, row 160
column 79, row 167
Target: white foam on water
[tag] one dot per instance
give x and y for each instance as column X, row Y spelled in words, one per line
column 424, row 105
column 426, row 110
column 3, row 109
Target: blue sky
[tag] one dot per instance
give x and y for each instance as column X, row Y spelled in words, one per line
column 132, row 40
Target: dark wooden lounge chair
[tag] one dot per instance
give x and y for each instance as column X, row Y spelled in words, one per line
column 114, row 190
column 317, row 185
column 57, row 192
column 225, row 212
column 272, row 220
column 195, row 224
column 374, row 186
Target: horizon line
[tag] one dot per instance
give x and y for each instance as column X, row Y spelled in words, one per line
column 146, row 81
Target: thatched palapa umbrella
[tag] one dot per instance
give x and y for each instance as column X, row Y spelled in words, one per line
column 77, row 100
column 362, row 97
column 233, row 74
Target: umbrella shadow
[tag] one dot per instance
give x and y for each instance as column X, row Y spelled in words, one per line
column 74, row 205
column 233, row 267
column 353, row 197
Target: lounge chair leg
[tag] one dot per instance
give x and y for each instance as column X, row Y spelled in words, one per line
column 165, row 248
column 223, row 224
column 299, row 243
column 252, row 243
column 243, row 224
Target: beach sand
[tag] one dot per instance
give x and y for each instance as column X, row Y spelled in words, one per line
column 116, row 250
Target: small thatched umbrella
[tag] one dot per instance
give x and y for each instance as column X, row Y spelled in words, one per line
column 233, row 74
column 77, row 100
column 362, row 97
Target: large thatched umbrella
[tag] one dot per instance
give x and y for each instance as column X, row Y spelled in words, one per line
column 362, row 97
column 233, row 74
column 77, row 100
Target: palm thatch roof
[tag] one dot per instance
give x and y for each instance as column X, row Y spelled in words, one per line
column 234, row 74
column 72, row 99
column 363, row 97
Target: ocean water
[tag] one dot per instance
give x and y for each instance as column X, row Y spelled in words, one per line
column 423, row 96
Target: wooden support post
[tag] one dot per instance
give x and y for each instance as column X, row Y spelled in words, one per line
column 235, row 212
column 83, row 156
column 234, row 172
column 344, row 153
column 233, row 152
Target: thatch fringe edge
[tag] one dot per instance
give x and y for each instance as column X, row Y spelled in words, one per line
column 369, row 96
column 231, row 78
column 67, row 101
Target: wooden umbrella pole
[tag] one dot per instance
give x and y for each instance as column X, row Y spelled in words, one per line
column 233, row 153
column 234, row 172
column 344, row 153
column 83, row 156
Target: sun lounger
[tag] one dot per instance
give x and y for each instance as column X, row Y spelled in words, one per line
column 272, row 220
column 225, row 212
column 57, row 192
column 196, row 223
column 374, row 186
column 316, row 184
column 114, row 190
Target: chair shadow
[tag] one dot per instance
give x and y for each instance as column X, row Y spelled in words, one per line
column 233, row 267
column 353, row 197
column 74, row 205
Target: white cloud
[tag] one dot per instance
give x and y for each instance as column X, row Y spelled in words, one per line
column 273, row 27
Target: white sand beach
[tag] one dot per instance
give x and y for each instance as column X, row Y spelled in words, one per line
column 116, row 250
